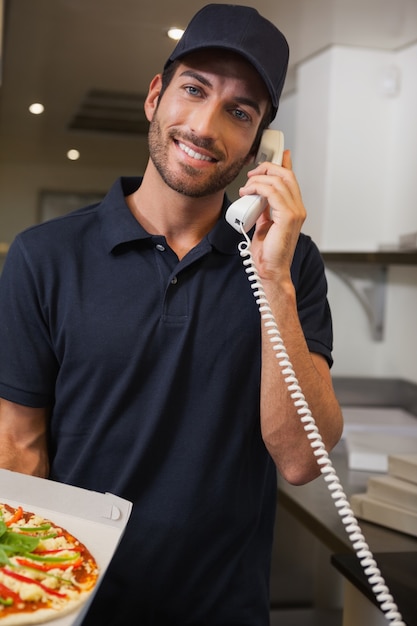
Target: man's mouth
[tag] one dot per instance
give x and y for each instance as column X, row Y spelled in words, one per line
column 195, row 155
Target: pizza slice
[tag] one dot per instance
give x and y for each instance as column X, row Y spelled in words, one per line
column 45, row 572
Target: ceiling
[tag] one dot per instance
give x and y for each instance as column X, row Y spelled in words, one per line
column 58, row 51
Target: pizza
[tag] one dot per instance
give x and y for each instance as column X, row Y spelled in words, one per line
column 45, row 572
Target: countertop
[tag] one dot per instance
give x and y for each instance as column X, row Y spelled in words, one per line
column 313, row 505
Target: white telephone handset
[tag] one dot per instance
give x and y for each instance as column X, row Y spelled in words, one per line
column 244, row 212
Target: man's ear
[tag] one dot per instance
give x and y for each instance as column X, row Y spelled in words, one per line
column 151, row 102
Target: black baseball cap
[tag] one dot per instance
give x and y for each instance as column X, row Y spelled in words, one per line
column 243, row 30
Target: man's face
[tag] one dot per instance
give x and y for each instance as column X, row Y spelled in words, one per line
column 203, row 127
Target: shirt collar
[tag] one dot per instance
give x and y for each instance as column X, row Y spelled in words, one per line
column 120, row 227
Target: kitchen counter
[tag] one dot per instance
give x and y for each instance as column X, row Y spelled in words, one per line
column 313, row 506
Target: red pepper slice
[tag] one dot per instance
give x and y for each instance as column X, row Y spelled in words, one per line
column 18, row 514
column 45, row 567
column 25, row 579
column 7, row 594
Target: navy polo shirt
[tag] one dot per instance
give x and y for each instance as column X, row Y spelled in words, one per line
column 152, row 368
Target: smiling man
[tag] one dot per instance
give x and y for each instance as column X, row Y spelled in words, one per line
column 133, row 356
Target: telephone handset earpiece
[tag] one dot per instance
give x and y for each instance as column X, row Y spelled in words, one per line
column 245, row 211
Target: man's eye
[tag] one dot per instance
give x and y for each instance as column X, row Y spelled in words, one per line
column 193, row 91
column 241, row 115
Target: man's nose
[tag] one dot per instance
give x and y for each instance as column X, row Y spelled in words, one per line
column 205, row 121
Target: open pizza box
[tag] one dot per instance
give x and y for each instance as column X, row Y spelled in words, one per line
column 97, row 519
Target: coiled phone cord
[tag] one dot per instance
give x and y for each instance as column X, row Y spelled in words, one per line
column 342, row 505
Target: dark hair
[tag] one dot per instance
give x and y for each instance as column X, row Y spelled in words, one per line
column 167, row 76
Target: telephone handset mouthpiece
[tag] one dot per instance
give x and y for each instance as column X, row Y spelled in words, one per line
column 244, row 212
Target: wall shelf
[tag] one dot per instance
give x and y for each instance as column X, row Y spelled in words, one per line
column 365, row 273
column 383, row 258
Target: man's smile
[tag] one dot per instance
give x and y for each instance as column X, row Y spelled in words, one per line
column 193, row 154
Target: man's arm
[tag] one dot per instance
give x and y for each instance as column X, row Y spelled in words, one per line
column 23, row 439
column 273, row 247
column 282, row 429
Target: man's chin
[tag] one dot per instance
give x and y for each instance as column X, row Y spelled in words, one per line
column 187, row 184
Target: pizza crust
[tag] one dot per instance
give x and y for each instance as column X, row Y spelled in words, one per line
column 44, row 615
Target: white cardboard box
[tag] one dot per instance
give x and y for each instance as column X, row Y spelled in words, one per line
column 384, row 513
column 97, row 519
column 372, row 434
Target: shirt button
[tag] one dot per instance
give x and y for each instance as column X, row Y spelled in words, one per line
column 160, row 247
column 174, row 281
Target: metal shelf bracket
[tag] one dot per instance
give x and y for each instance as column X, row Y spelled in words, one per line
column 369, row 285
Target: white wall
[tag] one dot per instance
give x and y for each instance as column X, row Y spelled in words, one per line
column 355, row 157
column 343, row 142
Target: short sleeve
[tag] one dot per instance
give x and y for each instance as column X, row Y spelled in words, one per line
column 28, row 366
column 309, row 277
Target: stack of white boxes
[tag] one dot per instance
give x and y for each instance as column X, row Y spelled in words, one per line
column 391, row 498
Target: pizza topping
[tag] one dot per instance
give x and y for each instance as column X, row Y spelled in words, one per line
column 57, row 550
column 45, row 567
column 56, row 559
column 37, row 529
column 13, row 543
column 31, row 581
column 7, row 596
column 15, row 517
column 42, row 566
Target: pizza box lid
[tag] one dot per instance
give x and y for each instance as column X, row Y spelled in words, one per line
column 97, row 519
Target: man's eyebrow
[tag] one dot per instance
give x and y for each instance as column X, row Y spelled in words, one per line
column 204, row 81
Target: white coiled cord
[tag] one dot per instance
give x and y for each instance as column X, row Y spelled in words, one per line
column 342, row 505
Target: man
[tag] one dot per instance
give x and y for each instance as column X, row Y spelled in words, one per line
column 131, row 352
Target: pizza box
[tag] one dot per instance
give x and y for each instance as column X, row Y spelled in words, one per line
column 97, row 519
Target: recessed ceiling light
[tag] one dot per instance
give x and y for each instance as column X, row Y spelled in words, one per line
column 175, row 33
column 36, row 108
column 73, row 155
